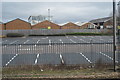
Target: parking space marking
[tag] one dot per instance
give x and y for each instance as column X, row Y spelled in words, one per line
column 72, row 41
column 49, row 42
column 45, row 38
column 61, row 40
column 85, row 57
column 36, row 60
column 75, row 36
column 83, row 40
column 11, row 59
column 108, row 56
column 66, row 36
column 13, row 42
column 26, row 41
column 61, row 57
column 38, row 41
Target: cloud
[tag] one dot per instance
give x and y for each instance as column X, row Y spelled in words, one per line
column 61, row 12
column 58, row 0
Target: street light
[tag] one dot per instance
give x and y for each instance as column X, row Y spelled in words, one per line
column 114, row 34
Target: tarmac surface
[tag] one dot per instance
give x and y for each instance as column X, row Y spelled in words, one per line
column 55, row 50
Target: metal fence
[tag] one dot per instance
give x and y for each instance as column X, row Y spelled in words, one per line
column 57, row 53
column 118, row 44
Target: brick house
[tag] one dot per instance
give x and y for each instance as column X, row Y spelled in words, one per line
column 88, row 25
column 46, row 25
column 2, row 26
column 70, row 25
column 17, row 24
column 108, row 24
column 102, row 23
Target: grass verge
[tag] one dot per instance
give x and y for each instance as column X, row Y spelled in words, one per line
column 58, row 72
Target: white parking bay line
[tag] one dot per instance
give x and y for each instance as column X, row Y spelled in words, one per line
column 85, row 57
column 66, row 36
column 36, row 60
column 13, row 42
column 61, row 40
column 11, row 59
column 49, row 42
column 75, row 36
column 61, row 57
column 26, row 41
column 38, row 41
column 83, row 40
column 72, row 41
column 45, row 38
column 107, row 56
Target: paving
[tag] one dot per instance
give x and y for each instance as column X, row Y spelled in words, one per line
column 54, row 50
column 58, row 39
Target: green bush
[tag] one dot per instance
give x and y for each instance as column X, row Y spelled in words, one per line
column 47, row 35
column 82, row 34
column 14, row 35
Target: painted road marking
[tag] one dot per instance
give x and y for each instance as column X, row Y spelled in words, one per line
column 83, row 40
column 108, row 56
column 61, row 57
column 61, row 40
column 49, row 42
column 38, row 41
column 85, row 57
column 75, row 36
column 11, row 59
column 30, row 49
column 26, row 41
column 45, row 38
column 13, row 42
column 36, row 60
column 66, row 36
column 72, row 41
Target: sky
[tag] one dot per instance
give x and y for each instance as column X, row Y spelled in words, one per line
column 61, row 11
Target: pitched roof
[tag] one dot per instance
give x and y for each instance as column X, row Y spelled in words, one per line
column 101, row 20
column 17, row 19
column 46, row 21
column 69, row 24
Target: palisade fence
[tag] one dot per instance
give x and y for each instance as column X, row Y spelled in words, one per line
column 54, row 31
column 118, row 44
column 57, row 53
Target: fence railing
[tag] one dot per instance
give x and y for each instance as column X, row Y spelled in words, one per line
column 57, row 53
column 56, row 48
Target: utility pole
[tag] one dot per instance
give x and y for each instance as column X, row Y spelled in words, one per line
column 118, row 13
column 48, row 14
column 114, row 34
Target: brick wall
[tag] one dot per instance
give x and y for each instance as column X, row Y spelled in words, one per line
column 70, row 25
column 2, row 27
column 108, row 23
column 85, row 26
column 17, row 24
column 45, row 25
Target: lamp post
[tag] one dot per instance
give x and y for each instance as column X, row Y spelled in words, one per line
column 114, row 34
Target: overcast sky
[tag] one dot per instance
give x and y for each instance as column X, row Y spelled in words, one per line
column 61, row 11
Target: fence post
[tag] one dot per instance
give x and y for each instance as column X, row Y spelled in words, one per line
column 91, row 43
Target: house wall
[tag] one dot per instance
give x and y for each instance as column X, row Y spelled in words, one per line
column 85, row 26
column 2, row 27
column 17, row 25
column 70, row 26
column 45, row 25
column 107, row 23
